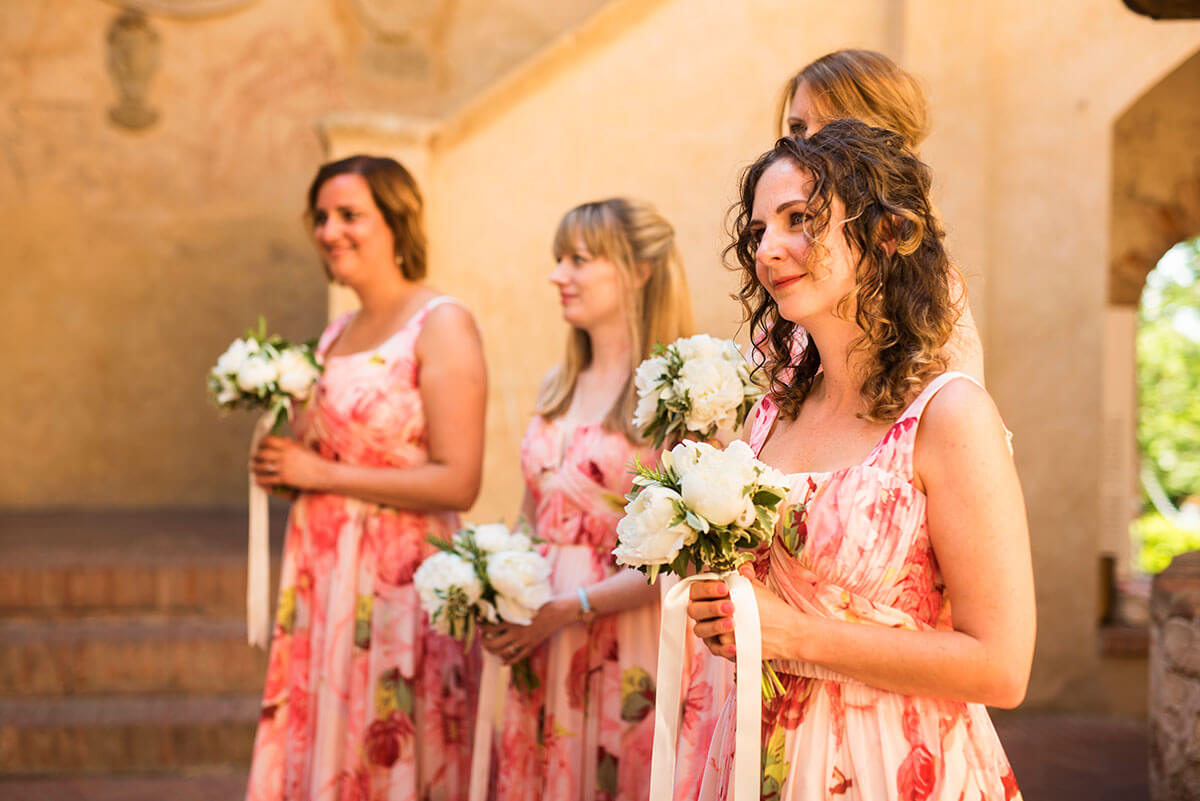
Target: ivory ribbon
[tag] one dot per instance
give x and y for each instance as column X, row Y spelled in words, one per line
column 485, row 714
column 258, row 573
column 747, row 733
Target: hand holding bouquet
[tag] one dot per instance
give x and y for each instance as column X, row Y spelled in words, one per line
column 694, row 385
column 484, row 574
column 264, row 372
column 701, row 506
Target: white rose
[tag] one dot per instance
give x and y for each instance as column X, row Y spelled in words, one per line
column 495, row 537
column 715, row 391
column 522, row 583
column 440, row 573
column 255, row 374
column 715, row 487
column 231, row 361
column 645, row 535
column 296, row 373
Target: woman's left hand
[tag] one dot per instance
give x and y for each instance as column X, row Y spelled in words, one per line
column 513, row 642
column 712, row 610
column 281, row 461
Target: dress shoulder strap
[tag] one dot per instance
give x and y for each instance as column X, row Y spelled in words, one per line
column 917, row 407
column 762, row 420
column 332, row 332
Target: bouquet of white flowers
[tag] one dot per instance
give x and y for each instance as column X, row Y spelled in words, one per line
column 710, row 508
column 484, row 573
column 703, row 506
column 264, row 372
column 696, row 384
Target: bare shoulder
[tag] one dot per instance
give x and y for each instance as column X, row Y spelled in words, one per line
column 961, row 422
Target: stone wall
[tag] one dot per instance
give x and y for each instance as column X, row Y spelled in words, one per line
column 1175, row 681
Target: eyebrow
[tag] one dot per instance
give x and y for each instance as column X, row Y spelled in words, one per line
column 789, row 203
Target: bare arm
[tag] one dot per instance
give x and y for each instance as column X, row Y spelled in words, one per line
column 976, row 519
column 453, row 386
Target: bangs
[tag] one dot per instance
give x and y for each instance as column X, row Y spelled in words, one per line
column 592, row 224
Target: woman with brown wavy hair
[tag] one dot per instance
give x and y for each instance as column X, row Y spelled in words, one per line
column 902, row 492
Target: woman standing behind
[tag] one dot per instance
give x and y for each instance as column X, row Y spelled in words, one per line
column 585, row 732
column 363, row 700
column 902, row 489
column 868, row 86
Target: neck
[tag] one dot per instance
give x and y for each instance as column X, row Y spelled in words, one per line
column 384, row 295
column 611, row 348
column 842, row 368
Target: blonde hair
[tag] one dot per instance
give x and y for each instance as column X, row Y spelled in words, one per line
column 862, row 85
column 637, row 240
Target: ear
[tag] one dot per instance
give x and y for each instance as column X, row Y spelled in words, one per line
column 641, row 273
column 889, row 229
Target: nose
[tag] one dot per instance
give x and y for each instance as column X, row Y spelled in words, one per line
column 769, row 248
column 558, row 276
column 327, row 231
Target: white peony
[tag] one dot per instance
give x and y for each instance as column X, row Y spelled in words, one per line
column 645, row 535
column 296, row 373
column 649, row 381
column 231, row 361
column 440, row 573
column 256, row 373
column 495, row 537
column 701, row 346
column 522, row 583
column 684, row 456
column 227, row 391
column 715, row 487
column 714, row 390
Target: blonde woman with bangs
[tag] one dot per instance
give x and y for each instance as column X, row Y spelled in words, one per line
column 868, row 86
column 585, row 731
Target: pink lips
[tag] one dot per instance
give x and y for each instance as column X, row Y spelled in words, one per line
column 791, row 279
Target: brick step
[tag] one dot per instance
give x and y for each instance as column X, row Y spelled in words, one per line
column 217, row 589
column 224, row 787
column 115, row 735
column 108, row 656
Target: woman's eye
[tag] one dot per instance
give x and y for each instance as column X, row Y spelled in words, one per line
column 800, row 218
column 578, row 260
column 350, row 216
column 320, row 218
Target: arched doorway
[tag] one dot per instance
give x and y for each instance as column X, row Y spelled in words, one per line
column 1156, row 204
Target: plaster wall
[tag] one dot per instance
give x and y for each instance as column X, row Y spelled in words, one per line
column 131, row 258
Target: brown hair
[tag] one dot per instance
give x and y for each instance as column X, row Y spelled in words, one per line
column 396, row 196
column 903, row 287
column 635, row 238
column 862, row 85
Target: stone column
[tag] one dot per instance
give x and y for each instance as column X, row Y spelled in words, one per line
column 1175, row 681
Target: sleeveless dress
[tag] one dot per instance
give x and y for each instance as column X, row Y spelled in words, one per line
column 853, row 545
column 363, row 700
column 586, row 733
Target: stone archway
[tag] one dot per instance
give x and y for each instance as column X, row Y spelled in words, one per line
column 1155, row 205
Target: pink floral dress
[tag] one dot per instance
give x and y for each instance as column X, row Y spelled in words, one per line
column 363, row 700
column 586, row 733
column 853, row 545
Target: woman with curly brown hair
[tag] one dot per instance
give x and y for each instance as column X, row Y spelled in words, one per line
column 868, row 86
column 902, row 492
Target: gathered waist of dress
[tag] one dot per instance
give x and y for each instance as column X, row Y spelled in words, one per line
column 811, row 671
column 361, row 507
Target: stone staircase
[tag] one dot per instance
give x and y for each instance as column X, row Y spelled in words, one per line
column 123, row 659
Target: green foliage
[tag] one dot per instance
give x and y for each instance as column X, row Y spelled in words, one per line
column 1158, row 541
column 1168, row 387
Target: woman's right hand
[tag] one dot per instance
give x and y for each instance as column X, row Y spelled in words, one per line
column 711, row 609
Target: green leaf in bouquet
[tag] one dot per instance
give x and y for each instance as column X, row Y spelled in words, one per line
column 651, row 572
column 441, row 544
column 680, row 564
column 696, row 521
column 768, row 497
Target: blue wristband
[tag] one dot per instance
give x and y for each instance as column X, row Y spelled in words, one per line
column 585, row 607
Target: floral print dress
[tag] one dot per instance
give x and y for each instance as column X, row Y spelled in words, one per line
column 363, row 700
column 586, row 732
column 852, row 545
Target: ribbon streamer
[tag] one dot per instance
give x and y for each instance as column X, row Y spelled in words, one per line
column 748, row 723
column 258, row 571
column 481, row 756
